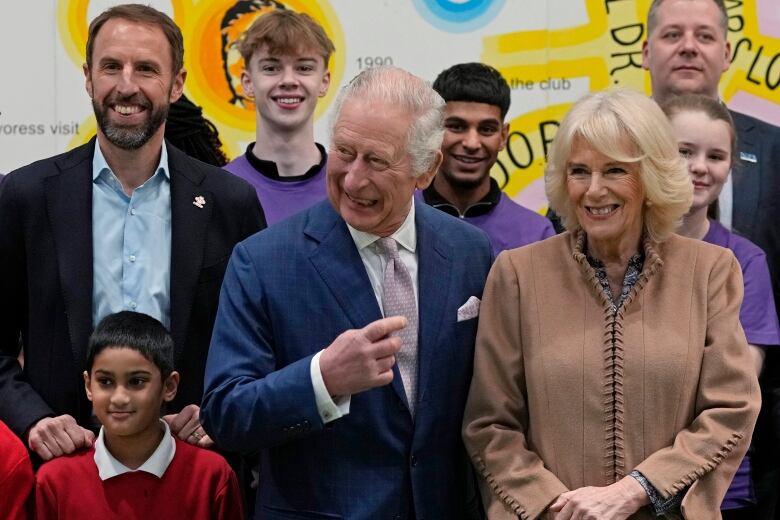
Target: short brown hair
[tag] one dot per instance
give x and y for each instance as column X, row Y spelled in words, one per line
column 653, row 11
column 712, row 108
column 285, row 32
column 140, row 14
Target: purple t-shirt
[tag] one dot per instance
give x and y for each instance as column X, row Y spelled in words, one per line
column 759, row 320
column 508, row 224
column 280, row 199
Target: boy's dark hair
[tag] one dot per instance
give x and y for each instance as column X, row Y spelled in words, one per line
column 474, row 83
column 136, row 331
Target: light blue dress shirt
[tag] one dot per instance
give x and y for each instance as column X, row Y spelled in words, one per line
column 131, row 243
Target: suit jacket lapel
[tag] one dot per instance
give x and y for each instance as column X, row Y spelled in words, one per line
column 746, row 175
column 434, row 281
column 68, row 195
column 189, row 224
column 338, row 262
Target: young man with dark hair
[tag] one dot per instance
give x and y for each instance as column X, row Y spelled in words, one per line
column 137, row 468
column 477, row 100
column 286, row 58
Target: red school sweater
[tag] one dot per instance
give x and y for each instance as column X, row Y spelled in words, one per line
column 198, row 485
column 16, row 476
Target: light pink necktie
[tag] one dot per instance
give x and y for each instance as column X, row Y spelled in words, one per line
column 399, row 300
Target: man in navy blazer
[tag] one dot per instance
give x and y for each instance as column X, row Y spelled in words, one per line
column 302, row 365
column 78, row 230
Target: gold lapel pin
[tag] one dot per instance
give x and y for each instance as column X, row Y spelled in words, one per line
column 199, row 201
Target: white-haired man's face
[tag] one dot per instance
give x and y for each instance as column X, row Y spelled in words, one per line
column 370, row 179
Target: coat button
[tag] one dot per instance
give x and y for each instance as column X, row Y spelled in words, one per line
column 413, row 460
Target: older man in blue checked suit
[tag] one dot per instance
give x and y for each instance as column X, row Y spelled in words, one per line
column 355, row 415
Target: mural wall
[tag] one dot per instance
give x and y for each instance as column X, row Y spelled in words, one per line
column 551, row 53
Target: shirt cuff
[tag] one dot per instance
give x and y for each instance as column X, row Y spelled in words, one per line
column 329, row 408
column 660, row 505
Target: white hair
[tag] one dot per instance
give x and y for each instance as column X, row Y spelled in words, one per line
column 397, row 87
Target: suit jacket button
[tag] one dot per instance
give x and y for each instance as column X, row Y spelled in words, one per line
column 413, row 461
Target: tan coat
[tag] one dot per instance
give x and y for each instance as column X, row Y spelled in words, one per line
column 553, row 407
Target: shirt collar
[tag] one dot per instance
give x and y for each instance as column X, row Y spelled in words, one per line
column 270, row 170
column 481, row 207
column 99, row 163
column 406, row 235
column 156, row 464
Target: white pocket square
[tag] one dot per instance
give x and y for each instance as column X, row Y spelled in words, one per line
column 469, row 310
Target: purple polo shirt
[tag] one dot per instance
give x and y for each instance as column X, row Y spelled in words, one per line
column 507, row 223
column 281, row 197
column 759, row 320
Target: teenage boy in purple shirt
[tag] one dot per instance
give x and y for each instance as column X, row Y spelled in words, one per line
column 286, row 72
column 477, row 99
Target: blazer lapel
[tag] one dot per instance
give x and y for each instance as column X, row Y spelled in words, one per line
column 69, row 205
column 746, row 175
column 338, row 262
column 190, row 215
column 434, row 273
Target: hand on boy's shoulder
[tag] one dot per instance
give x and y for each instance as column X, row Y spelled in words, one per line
column 55, row 436
column 186, row 426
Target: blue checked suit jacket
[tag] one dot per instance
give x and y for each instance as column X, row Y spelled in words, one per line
column 289, row 291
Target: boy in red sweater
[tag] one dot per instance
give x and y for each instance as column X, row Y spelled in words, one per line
column 136, row 469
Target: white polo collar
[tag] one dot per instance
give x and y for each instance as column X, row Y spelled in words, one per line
column 156, row 464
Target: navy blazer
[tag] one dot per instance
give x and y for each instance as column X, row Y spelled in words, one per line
column 46, row 277
column 756, row 216
column 756, row 178
column 289, row 291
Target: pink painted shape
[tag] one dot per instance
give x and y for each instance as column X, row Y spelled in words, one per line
column 768, row 12
column 532, row 197
column 755, row 106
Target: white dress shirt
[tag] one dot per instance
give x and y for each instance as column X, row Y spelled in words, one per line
column 726, row 203
column 156, row 464
column 375, row 262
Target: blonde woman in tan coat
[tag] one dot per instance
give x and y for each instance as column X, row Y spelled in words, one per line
column 612, row 379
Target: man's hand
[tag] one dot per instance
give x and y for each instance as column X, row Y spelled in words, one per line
column 362, row 359
column 186, row 426
column 55, row 436
column 614, row 502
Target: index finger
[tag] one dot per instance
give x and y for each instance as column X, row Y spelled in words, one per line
column 558, row 503
column 378, row 329
column 77, row 436
column 181, row 419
